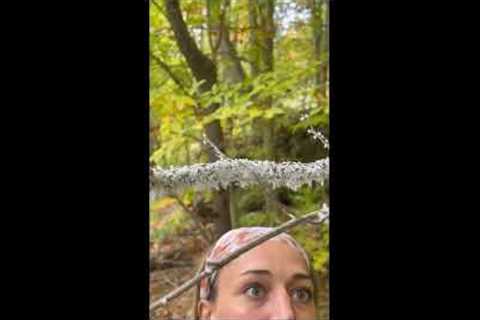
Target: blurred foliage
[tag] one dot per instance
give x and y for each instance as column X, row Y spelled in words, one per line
column 252, row 219
column 295, row 105
column 315, row 240
column 176, row 222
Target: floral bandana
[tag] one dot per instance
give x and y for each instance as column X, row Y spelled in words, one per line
column 234, row 239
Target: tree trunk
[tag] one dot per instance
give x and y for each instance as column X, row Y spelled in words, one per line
column 322, row 295
column 324, row 47
column 229, row 66
column 203, row 69
column 153, row 136
column 261, row 39
column 320, row 21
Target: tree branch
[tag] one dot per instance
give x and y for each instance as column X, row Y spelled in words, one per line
column 202, row 67
column 203, row 231
column 240, row 172
column 197, row 107
column 317, row 135
column 169, row 71
column 158, row 7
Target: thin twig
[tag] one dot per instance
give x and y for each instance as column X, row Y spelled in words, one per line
column 318, row 216
column 170, row 282
column 317, row 135
column 220, row 155
column 195, row 219
column 170, row 72
column 162, row 11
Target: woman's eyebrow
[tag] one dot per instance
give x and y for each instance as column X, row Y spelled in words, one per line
column 300, row 276
column 257, row 271
column 296, row 276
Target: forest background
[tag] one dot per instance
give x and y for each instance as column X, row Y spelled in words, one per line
column 251, row 77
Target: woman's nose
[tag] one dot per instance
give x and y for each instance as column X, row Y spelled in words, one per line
column 282, row 308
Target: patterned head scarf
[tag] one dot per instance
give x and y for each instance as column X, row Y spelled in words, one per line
column 234, row 239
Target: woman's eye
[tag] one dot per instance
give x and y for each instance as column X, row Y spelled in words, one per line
column 255, row 291
column 301, row 295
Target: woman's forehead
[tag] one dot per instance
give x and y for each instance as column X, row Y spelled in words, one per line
column 273, row 256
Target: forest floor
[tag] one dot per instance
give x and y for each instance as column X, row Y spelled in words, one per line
column 173, row 261
column 167, row 276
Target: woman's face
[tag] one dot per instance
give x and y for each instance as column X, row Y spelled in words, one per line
column 268, row 282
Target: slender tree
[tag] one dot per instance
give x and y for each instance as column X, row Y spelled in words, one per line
column 262, row 33
column 203, row 69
